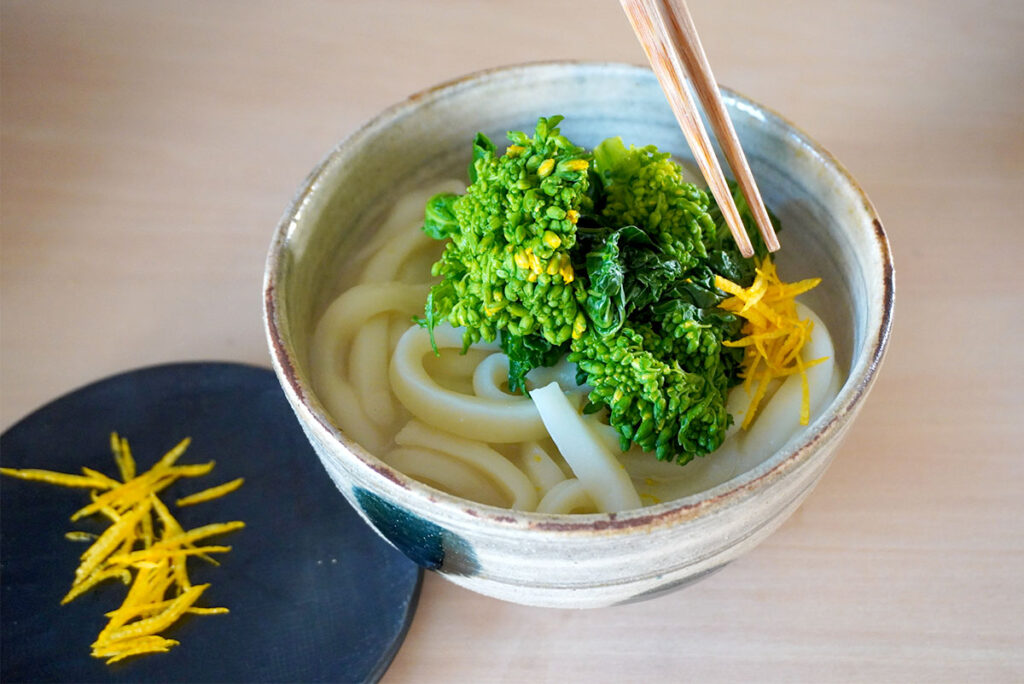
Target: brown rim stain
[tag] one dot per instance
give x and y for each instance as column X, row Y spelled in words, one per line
column 279, row 352
column 389, row 473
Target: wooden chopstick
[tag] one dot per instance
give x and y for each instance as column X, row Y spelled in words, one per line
column 643, row 19
column 683, row 36
column 670, row 41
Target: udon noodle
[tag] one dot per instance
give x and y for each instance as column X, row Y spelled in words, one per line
column 450, row 422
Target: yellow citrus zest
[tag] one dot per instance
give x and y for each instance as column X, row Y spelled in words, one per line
column 130, row 550
column 774, row 335
column 210, row 494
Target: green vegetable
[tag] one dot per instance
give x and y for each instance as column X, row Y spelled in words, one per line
column 507, row 266
column 439, row 219
column 644, row 187
column 609, row 258
column 627, row 271
column 653, row 399
column 526, row 352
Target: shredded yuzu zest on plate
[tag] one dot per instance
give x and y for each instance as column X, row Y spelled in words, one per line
column 774, row 335
column 144, row 547
column 211, row 493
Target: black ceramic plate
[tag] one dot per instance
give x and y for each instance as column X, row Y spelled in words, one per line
column 314, row 594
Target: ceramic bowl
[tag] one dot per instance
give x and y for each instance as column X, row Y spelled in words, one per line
column 830, row 229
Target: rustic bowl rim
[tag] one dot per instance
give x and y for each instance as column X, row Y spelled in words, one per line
column 730, row 493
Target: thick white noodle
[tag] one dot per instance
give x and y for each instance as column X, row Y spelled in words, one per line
column 568, row 496
column 778, row 421
column 564, row 373
column 402, row 239
column 330, row 346
column 510, row 479
column 603, row 477
column 396, row 329
column 540, row 467
column 445, row 473
column 343, row 404
column 407, row 213
column 454, row 370
column 456, row 364
column 384, row 265
column 490, row 379
column 368, row 369
column 502, row 421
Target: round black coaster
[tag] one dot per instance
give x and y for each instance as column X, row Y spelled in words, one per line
column 314, row 594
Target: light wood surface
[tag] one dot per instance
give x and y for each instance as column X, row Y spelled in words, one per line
column 149, row 148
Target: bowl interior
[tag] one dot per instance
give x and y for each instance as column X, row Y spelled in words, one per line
column 829, row 227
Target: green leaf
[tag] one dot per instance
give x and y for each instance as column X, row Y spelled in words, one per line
column 526, row 352
column 627, row 272
column 439, row 221
column 698, row 288
column 650, row 273
column 436, row 310
column 483, row 150
column 614, row 160
column 605, row 305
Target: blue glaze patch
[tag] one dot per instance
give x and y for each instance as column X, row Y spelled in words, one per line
column 426, row 544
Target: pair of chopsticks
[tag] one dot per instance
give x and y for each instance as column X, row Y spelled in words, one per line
column 668, row 36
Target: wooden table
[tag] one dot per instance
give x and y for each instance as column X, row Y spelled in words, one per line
column 149, row 149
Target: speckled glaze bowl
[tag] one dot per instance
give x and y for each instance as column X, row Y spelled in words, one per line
column 830, row 229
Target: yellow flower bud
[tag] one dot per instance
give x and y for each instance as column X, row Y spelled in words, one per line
column 579, row 325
